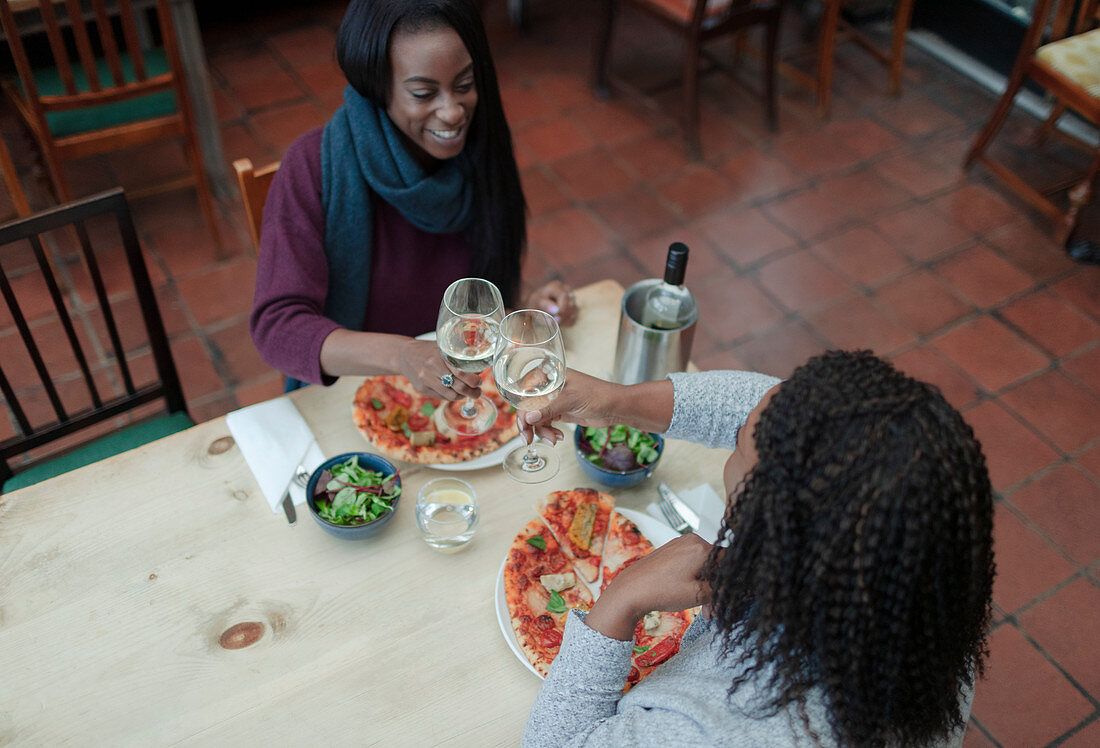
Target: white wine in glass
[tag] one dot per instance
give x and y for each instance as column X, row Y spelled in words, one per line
column 529, row 372
column 467, row 335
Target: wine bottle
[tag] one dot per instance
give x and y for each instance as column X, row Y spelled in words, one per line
column 669, row 305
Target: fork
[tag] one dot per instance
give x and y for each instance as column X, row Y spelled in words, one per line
column 301, row 476
column 673, row 517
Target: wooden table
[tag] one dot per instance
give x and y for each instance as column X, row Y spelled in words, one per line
column 118, row 580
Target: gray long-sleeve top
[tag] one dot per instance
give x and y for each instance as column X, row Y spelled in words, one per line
column 685, row 701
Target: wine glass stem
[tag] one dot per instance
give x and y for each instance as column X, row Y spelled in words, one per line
column 532, row 461
column 469, row 408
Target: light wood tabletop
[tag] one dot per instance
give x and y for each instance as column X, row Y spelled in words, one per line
column 118, row 581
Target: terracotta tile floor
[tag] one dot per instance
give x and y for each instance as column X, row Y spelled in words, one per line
column 859, row 231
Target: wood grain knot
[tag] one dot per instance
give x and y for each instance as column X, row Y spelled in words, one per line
column 218, row 446
column 152, row 576
column 241, row 635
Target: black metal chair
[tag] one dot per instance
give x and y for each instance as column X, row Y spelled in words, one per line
column 71, row 387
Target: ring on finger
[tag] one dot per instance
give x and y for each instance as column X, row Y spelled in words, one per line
column 447, row 380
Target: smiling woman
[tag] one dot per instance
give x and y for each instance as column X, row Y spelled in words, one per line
column 434, row 97
column 411, row 185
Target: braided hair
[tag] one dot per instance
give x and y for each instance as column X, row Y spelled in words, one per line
column 860, row 554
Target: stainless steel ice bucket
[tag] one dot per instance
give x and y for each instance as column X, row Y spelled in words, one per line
column 644, row 353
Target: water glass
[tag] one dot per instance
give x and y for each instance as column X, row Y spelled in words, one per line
column 446, row 513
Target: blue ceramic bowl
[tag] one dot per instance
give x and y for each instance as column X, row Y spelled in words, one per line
column 352, row 532
column 615, row 478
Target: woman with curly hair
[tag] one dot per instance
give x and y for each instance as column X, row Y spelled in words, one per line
column 848, row 598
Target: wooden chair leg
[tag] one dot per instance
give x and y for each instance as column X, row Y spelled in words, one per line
column 1045, row 129
column 826, row 47
column 738, row 45
column 691, row 99
column 11, row 181
column 202, row 186
column 903, row 14
column 996, row 119
column 1079, row 197
column 602, row 58
column 62, row 191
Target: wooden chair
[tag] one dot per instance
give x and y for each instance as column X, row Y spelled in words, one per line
column 114, row 95
column 834, row 29
column 54, row 393
column 254, row 186
column 697, row 21
column 1067, row 64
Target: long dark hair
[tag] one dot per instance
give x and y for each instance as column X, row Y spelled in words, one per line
column 860, row 558
column 499, row 231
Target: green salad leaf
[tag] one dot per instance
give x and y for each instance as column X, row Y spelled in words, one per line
column 607, row 447
column 556, row 604
column 353, row 495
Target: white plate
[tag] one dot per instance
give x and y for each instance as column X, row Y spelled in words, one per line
column 495, row 457
column 656, row 532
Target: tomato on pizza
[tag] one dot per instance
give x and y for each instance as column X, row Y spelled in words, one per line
column 403, row 424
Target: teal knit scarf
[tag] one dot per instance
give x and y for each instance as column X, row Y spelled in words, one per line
column 362, row 152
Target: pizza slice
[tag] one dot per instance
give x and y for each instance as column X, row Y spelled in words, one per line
column 656, row 638
column 540, row 588
column 579, row 520
column 625, row 545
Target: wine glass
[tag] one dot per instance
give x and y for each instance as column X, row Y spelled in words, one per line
column 466, row 333
column 529, row 371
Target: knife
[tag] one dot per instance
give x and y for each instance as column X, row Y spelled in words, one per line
column 288, row 507
column 685, row 511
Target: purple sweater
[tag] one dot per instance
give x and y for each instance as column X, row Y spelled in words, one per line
column 410, row 269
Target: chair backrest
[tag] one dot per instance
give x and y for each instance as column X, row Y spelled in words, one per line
column 109, row 66
column 254, row 185
column 68, row 365
column 1052, row 20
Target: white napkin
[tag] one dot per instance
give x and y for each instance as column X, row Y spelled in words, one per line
column 275, row 439
column 706, row 503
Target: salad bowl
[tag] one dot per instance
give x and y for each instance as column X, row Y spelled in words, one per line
column 368, row 462
column 609, row 476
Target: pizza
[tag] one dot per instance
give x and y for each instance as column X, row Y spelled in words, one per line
column 579, row 520
column 403, row 424
column 540, row 587
column 657, row 636
column 625, row 545
column 538, row 566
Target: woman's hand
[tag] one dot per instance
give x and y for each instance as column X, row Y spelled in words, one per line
column 664, row 580
column 423, row 365
column 583, row 400
column 588, row 401
column 557, row 300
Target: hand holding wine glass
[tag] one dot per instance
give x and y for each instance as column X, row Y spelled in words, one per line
column 529, row 371
column 466, row 332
